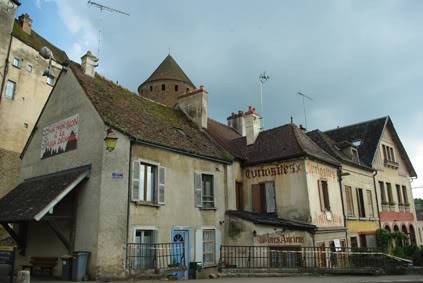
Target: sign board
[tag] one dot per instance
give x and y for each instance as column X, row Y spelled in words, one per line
column 60, row 137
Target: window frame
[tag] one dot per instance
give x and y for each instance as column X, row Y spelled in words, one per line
column 390, row 194
column 399, row 194
column 7, row 88
column 350, row 201
column 213, row 249
column 324, row 196
column 361, row 203
column 18, row 64
column 51, row 80
column 29, row 68
column 157, row 183
column 203, row 189
column 405, row 195
column 371, row 210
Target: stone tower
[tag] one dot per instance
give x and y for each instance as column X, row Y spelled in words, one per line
column 166, row 83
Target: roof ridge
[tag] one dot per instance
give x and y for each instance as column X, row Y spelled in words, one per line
column 356, row 124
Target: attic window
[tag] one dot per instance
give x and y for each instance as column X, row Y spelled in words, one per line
column 163, row 87
column 176, row 87
column 151, row 88
column 356, row 143
column 354, row 155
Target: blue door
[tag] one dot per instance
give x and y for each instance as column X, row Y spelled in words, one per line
column 177, row 237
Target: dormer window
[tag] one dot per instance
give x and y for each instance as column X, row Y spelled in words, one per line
column 354, row 155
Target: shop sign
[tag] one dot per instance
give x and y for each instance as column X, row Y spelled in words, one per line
column 279, row 239
column 281, row 169
column 60, row 137
column 322, row 171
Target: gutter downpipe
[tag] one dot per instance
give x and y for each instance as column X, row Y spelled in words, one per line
column 377, row 199
column 128, row 207
column 342, row 203
column 6, row 66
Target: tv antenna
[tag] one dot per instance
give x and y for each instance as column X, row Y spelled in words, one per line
column 108, row 9
column 263, row 77
column 304, row 106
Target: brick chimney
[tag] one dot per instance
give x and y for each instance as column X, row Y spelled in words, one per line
column 26, row 23
column 89, row 63
column 247, row 124
column 195, row 105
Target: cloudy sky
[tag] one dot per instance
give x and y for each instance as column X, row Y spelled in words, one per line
column 358, row 60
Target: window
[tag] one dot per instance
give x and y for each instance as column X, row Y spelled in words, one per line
column 176, row 87
column 10, row 89
column 354, row 242
column 360, row 201
column 324, row 195
column 382, row 192
column 148, row 183
column 404, row 193
column 349, row 201
column 163, row 87
column 29, row 68
column 50, row 80
column 388, row 153
column 390, row 197
column 355, row 155
column 204, row 190
column 151, row 88
column 239, row 196
column 144, row 253
column 399, row 194
column 370, row 203
column 17, row 62
column 264, row 197
column 209, row 247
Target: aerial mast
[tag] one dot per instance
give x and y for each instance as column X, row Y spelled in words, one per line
column 263, row 77
column 304, row 106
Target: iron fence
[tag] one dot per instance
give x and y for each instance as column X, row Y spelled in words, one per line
column 266, row 257
column 160, row 256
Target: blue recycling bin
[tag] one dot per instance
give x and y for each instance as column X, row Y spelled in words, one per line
column 80, row 265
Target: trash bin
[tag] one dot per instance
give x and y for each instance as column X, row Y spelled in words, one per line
column 194, row 267
column 67, row 267
column 79, row 265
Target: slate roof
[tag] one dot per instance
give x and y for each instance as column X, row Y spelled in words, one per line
column 270, row 219
column 169, row 70
column 37, row 42
column 281, row 143
column 330, row 146
column 147, row 121
column 369, row 134
column 31, row 196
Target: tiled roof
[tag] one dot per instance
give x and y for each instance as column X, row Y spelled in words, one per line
column 281, row 143
column 31, row 196
column 146, row 120
column 369, row 134
column 169, row 70
column 221, row 133
column 270, row 219
column 328, row 145
column 37, row 42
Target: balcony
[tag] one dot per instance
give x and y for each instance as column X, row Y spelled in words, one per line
column 391, row 164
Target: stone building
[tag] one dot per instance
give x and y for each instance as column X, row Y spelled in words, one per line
column 24, row 89
column 358, row 191
column 379, row 147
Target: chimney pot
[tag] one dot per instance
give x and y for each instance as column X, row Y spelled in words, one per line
column 26, row 23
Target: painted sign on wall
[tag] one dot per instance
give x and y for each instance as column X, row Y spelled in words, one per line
column 280, row 169
column 322, row 171
column 60, row 137
column 279, row 239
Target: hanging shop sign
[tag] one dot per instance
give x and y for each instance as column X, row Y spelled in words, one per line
column 60, row 137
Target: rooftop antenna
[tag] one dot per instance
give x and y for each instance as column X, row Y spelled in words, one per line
column 263, row 77
column 108, row 9
column 304, row 106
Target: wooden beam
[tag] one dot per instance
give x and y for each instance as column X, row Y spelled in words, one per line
column 12, row 233
column 59, row 235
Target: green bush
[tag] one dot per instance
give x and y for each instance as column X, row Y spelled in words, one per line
column 383, row 239
column 418, row 257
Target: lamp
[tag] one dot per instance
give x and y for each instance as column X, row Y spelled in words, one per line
column 110, row 140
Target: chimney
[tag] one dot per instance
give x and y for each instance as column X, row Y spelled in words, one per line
column 195, row 105
column 89, row 63
column 247, row 124
column 26, row 23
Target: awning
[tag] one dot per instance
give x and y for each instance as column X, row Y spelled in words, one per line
column 35, row 197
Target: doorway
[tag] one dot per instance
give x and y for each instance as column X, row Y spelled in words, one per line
column 178, row 236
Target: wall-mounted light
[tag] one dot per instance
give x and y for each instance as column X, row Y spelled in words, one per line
column 110, row 140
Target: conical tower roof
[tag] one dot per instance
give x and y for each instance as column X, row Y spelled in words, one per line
column 169, row 70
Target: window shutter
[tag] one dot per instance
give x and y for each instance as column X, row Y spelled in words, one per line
column 198, row 189
column 218, row 239
column 322, row 202
column 270, row 197
column 199, row 245
column 256, row 198
column 161, row 186
column 136, row 181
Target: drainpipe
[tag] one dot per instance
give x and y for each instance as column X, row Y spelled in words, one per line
column 6, row 67
column 377, row 199
column 128, row 207
column 342, row 203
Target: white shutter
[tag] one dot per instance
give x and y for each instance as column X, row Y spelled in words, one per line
column 218, row 243
column 199, row 245
column 161, row 186
column 198, row 190
column 270, row 197
column 135, row 180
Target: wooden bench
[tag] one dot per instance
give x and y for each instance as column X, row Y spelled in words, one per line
column 7, row 257
column 41, row 264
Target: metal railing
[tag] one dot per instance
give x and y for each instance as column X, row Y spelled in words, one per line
column 266, row 257
column 160, row 256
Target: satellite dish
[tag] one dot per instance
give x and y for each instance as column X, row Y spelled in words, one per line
column 46, row 53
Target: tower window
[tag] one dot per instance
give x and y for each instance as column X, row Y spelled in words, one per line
column 176, row 87
column 151, row 88
column 163, row 87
